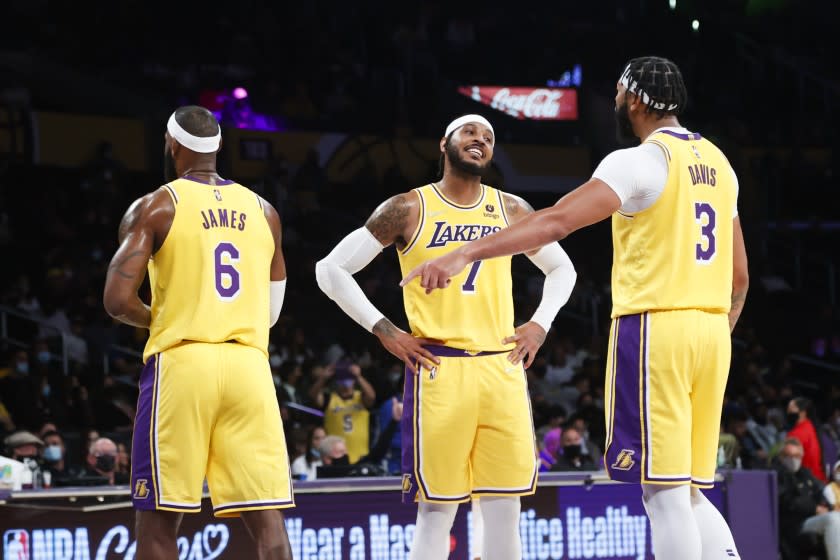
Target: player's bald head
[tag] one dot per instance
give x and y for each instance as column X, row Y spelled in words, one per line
column 196, row 120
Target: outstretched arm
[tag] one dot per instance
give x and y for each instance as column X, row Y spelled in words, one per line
column 560, row 278
column 128, row 267
column 590, row 203
column 391, row 223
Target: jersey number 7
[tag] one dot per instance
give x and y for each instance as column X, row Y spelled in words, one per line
column 469, row 284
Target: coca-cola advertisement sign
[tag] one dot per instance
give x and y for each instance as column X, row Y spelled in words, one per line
column 546, row 104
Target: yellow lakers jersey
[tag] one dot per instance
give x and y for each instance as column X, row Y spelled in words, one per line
column 351, row 420
column 677, row 254
column 210, row 279
column 475, row 312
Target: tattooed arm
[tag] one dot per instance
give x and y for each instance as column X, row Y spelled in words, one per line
column 517, row 208
column 139, row 237
column 740, row 274
column 393, row 222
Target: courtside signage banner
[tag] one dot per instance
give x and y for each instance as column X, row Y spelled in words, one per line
column 539, row 104
column 558, row 523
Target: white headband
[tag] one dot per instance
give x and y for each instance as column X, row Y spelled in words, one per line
column 461, row 121
column 633, row 87
column 202, row 145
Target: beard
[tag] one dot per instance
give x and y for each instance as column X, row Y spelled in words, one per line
column 169, row 171
column 623, row 127
column 457, row 160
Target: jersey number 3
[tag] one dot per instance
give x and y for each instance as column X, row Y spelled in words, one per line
column 704, row 214
column 225, row 257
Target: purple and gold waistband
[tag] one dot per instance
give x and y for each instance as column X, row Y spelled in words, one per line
column 449, row 352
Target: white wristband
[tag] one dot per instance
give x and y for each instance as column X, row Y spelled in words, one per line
column 277, row 295
column 560, row 279
column 334, row 274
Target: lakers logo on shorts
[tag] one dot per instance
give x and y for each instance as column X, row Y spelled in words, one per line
column 406, row 484
column 624, row 461
column 141, row 489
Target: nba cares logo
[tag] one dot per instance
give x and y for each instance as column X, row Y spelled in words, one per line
column 16, row 545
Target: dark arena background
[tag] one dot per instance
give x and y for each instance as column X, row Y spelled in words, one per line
column 328, row 108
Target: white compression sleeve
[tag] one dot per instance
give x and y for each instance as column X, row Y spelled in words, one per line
column 715, row 536
column 277, row 293
column 334, row 274
column 672, row 526
column 431, row 534
column 560, row 279
column 477, row 530
column 501, row 528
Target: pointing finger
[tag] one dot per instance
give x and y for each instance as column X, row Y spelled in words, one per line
column 411, row 276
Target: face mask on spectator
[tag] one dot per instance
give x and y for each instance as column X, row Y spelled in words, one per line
column 43, row 356
column 792, row 464
column 571, row 451
column 22, row 367
column 315, row 453
column 792, row 419
column 342, row 461
column 105, row 463
column 52, row 453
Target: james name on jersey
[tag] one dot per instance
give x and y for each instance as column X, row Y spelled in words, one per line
column 222, row 217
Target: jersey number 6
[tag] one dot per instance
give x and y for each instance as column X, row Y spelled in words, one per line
column 227, row 277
